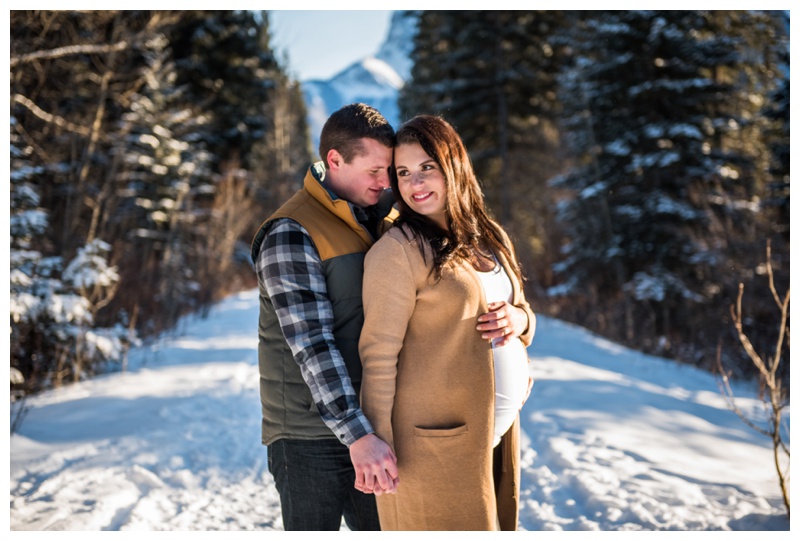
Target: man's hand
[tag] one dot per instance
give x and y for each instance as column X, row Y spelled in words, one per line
column 503, row 320
column 375, row 465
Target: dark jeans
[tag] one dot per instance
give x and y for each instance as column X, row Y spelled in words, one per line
column 315, row 481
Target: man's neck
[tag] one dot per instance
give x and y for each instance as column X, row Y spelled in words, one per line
column 323, row 176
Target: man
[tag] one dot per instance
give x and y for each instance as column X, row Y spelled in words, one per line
column 309, row 254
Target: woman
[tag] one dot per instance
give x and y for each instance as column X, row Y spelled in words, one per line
column 445, row 371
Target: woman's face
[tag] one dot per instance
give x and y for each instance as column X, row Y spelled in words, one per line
column 421, row 182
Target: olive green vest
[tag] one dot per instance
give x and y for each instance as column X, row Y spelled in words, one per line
column 288, row 410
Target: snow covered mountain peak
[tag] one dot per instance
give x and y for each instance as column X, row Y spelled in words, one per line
column 374, row 80
column 382, row 72
column 396, row 49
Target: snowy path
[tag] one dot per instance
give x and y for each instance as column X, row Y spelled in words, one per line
column 625, row 441
column 613, row 440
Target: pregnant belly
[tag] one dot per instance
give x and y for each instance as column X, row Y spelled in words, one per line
column 511, row 384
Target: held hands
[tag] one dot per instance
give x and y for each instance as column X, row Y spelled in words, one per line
column 375, row 465
column 503, row 320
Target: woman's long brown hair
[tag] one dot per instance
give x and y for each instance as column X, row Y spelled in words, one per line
column 471, row 228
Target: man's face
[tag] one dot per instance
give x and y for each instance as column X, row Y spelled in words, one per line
column 363, row 180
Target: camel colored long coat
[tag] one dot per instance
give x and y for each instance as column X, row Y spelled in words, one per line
column 428, row 390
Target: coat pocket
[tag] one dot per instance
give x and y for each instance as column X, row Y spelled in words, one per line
column 421, row 432
column 438, row 457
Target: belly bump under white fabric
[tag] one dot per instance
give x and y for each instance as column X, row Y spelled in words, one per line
column 510, row 361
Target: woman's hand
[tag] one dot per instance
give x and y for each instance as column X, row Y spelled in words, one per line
column 375, row 465
column 504, row 321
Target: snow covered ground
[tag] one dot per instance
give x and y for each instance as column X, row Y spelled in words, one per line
column 612, row 440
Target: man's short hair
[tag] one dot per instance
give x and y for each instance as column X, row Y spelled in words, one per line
column 345, row 128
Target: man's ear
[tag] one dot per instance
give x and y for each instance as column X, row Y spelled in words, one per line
column 334, row 159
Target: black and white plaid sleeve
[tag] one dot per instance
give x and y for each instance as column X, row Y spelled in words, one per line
column 290, row 267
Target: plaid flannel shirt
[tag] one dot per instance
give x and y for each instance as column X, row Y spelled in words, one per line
column 290, row 267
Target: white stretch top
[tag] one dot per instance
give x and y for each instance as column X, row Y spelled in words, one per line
column 510, row 361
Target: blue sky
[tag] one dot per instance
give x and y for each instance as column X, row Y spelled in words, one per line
column 319, row 44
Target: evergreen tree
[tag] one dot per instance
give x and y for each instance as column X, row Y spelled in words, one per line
column 53, row 308
column 285, row 151
column 664, row 195
column 776, row 111
column 165, row 170
column 493, row 74
column 132, row 164
column 225, row 59
column 28, row 224
column 778, row 189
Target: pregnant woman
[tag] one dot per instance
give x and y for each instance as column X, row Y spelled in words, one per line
column 443, row 343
